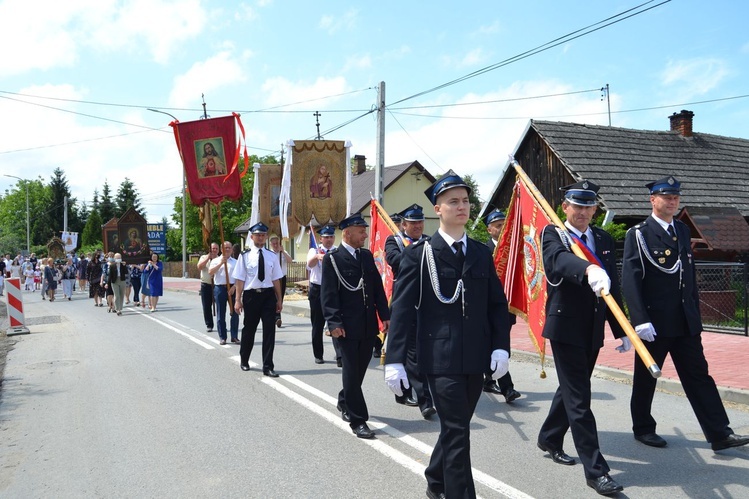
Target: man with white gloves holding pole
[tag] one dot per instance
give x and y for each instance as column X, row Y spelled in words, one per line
column 575, row 317
column 449, row 288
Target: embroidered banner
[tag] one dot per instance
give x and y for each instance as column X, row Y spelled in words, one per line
column 519, row 263
column 378, row 234
column 318, row 181
column 210, row 152
column 268, row 180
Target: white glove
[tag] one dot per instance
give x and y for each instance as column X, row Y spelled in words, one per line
column 500, row 363
column 598, row 280
column 625, row 346
column 646, row 331
column 396, row 378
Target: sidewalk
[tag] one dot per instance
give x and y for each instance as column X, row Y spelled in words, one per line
column 725, row 353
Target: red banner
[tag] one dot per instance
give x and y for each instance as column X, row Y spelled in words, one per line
column 210, row 152
column 519, row 263
column 378, row 234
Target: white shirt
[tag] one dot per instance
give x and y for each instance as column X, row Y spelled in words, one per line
column 665, row 225
column 219, row 277
column 246, row 268
column 349, row 248
column 449, row 240
column 281, row 257
column 315, row 273
column 590, row 238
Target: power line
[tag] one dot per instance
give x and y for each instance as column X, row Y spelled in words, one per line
column 531, row 97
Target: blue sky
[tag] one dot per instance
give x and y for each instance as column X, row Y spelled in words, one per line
column 75, row 86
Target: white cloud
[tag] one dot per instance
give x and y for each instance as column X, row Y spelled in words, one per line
column 473, row 58
column 281, row 91
column 488, row 29
column 221, row 70
column 692, row 77
column 334, row 24
column 358, row 62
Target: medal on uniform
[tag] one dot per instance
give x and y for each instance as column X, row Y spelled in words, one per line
column 667, row 253
column 661, row 260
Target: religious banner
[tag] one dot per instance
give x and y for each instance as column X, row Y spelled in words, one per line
column 110, row 237
column 519, row 263
column 268, row 182
column 70, row 240
column 132, row 230
column 318, row 181
column 210, row 152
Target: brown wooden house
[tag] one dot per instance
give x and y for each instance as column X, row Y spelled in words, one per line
column 713, row 169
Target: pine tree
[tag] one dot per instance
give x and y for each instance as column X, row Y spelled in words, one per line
column 127, row 197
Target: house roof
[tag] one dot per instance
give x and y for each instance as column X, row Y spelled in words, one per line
column 362, row 185
column 713, row 169
column 722, row 229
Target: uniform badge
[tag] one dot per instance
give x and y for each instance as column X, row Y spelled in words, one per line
column 667, row 252
column 661, row 260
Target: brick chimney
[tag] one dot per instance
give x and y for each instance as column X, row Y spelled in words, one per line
column 682, row 122
column 361, row 164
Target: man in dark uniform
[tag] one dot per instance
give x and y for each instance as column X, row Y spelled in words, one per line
column 660, row 287
column 575, row 316
column 455, row 299
column 257, row 276
column 352, row 298
column 504, row 385
column 314, row 265
column 412, row 219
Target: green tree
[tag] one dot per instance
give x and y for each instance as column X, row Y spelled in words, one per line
column 13, row 214
column 91, row 234
column 59, row 191
column 127, row 197
column 106, row 206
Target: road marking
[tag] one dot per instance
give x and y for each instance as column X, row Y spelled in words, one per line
column 385, row 449
column 180, row 332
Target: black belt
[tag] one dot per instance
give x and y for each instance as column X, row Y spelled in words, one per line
column 259, row 290
column 313, row 284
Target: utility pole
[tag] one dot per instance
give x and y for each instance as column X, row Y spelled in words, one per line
column 608, row 99
column 380, row 166
column 65, row 214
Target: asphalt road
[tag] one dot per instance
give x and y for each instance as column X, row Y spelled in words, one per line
column 150, row 405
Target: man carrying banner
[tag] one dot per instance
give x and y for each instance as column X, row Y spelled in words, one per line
column 206, row 285
column 504, row 385
column 660, row 285
column 575, row 316
column 448, row 287
column 257, row 277
column 352, row 298
column 315, row 256
column 412, row 220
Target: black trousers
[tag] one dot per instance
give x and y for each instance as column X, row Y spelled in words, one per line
column 455, row 398
column 283, row 293
column 318, row 320
column 136, row 289
column 206, row 299
column 259, row 307
column 355, row 355
column 699, row 386
column 570, row 408
column 419, row 387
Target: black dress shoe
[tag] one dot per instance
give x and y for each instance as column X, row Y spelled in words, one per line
column 651, row 439
column 604, row 485
column 363, row 431
column 338, row 362
column 344, row 413
column 558, row 456
column 319, row 361
column 244, row 367
column 208, row 330
column 511, row 395
column 270, row 373
column 431, row 494
column 731, row 440
column 377, row 353
column 428, row 412
column 406, row 400
column 492, row 387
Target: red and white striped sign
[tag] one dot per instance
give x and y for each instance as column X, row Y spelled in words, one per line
column 15, row 307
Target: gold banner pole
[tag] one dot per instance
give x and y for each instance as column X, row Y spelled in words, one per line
column 643, row 352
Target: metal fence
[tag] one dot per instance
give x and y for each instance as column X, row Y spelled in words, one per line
column 724, row 296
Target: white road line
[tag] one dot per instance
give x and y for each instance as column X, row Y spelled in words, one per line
column 180, row 332
column 397, row 456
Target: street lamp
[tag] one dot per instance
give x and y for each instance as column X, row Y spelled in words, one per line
column 184, row 209
column 28, row 226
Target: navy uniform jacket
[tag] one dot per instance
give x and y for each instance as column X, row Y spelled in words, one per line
column 393, row 253
column 654, row 296
column 574, row 314
column 347, row 309
column 449, row 341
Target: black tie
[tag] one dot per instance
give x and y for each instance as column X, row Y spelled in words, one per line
column 672, row 232
column 260, row 265
column 459, row 256
column 584, row 239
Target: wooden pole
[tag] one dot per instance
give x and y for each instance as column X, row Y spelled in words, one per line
column 643, row 352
